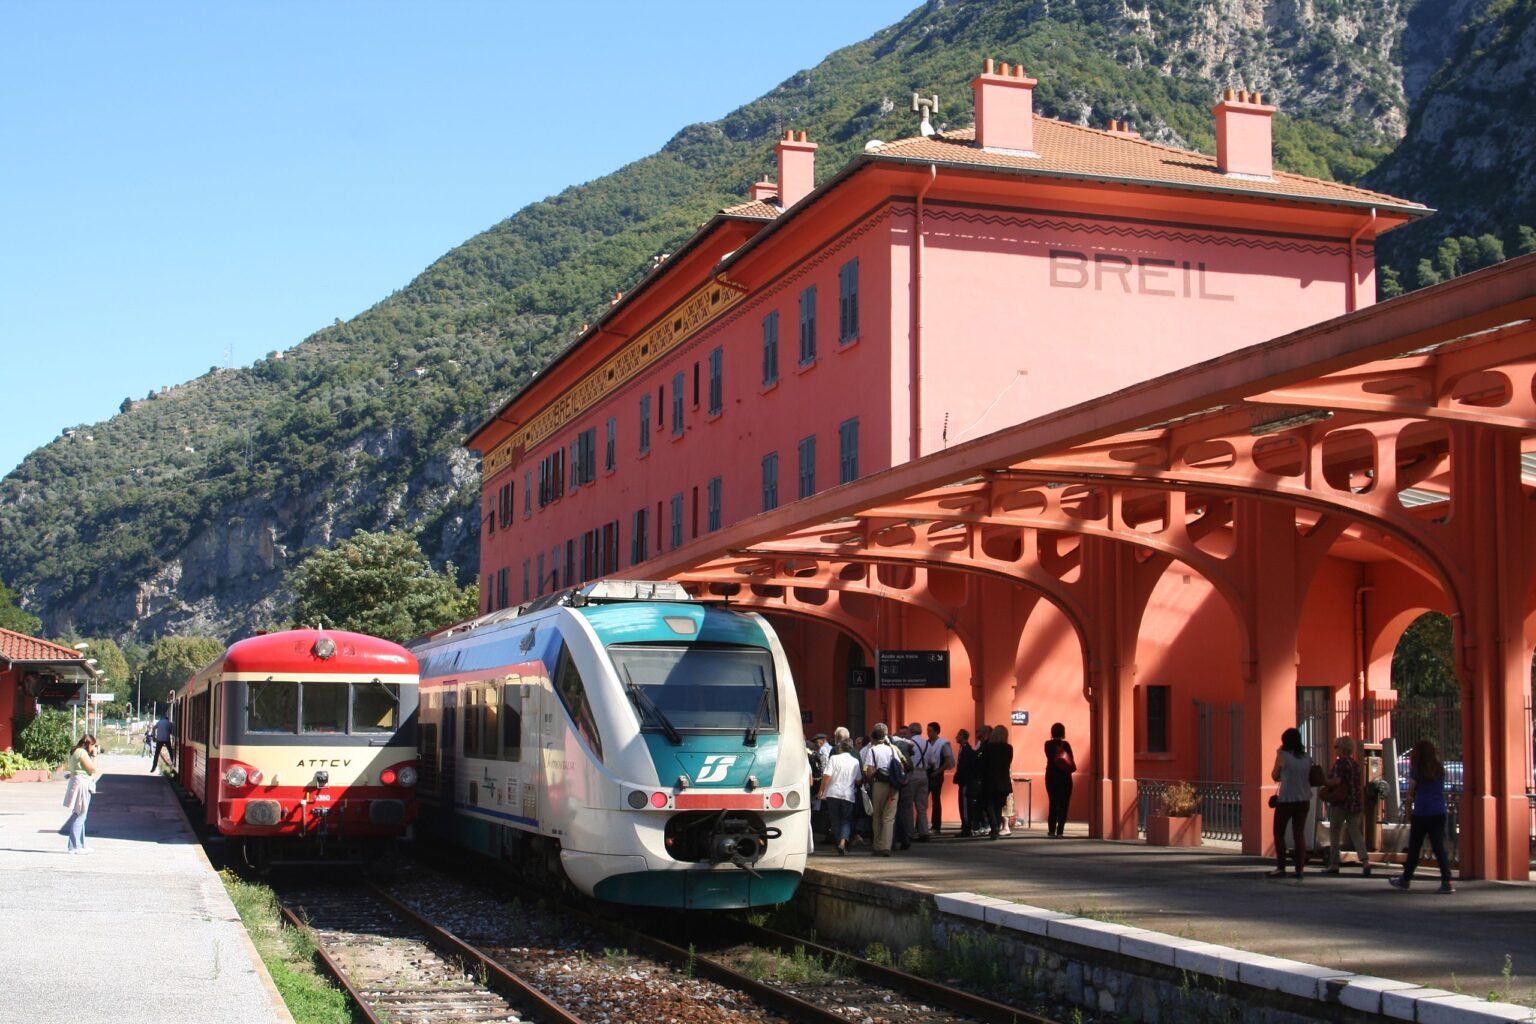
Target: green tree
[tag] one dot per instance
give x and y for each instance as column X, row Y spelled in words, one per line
column 173, row 660
column 12, row 617
column 1423, row 665
column 116, row 676
column 379, row 583
column 47, row 737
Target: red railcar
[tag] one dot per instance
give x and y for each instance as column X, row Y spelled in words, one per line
column 303, row 743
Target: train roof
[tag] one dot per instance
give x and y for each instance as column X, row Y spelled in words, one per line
column 320, row 652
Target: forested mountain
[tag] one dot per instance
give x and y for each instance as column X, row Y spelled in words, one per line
column 183, row 513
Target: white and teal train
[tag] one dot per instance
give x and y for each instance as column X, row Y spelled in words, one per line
column 644, row 746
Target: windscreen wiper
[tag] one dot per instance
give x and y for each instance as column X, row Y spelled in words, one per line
column 757, row 716
column 647, row 706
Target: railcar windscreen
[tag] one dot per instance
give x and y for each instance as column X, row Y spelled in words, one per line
column 279, row 706
column 697, row 687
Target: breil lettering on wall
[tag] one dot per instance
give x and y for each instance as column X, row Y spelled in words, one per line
column 1124, row 275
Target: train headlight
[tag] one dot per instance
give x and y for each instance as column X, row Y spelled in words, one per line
column 254, row 776
column 794, row 798
column 325, row 648
column 636, row 799
column 235, row 776
column 409, row 775
column 388, row 776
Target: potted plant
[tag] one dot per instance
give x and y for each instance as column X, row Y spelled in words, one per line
column 1177, row 821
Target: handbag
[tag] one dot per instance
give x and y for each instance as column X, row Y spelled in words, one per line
column 1315, row 776
column 1062, row 761
column 869, row 804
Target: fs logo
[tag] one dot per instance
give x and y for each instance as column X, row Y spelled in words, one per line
column 715, row 767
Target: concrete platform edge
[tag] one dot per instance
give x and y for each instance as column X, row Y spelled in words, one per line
column 1400, row 1000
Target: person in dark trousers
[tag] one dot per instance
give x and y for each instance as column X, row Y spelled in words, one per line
column 996, row 777
column 942, row 759
column 1426, row 795
column 1292, row 769
column 162, row 742
column 1059, row 766
column 967, row 779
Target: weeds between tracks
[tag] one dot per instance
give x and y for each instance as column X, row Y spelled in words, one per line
column 288, row 954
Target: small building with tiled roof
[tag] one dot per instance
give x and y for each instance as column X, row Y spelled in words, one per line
column 35, row 673
column 931, row 291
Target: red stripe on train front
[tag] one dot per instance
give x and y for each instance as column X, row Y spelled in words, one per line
column 718, row 802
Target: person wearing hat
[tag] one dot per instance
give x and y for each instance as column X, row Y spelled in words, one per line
column 1344, row 792
column 822, row 746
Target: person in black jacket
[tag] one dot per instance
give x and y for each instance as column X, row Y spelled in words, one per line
column 966, row 780
column 1059, row 766
column 996, row 777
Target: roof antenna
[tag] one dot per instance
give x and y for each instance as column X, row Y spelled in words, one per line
column 927, row 106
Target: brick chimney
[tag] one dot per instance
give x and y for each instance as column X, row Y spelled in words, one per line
column 1005, row 109
column 764, row 190
column 797, row 168
column 1123, row 129
column 1244, row 139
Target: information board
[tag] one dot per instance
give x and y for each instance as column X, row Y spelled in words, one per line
column 905, row 670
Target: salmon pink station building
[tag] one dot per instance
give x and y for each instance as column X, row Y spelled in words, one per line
column 1032, row 422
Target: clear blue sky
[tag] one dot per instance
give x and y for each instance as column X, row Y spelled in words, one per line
column 183, row 184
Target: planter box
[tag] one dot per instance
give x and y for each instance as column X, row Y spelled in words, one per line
column 1165, row 831
column 30, row 775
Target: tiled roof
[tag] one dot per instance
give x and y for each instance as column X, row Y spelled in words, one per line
column 1072, row 150
column 755, row 208
column 20, row 647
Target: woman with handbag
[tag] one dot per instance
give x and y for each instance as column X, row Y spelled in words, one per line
column 996, row 777
column 77, row 795
column 1293, row 770
column 1059, row 766
column 1345, row 798
column 839, row 791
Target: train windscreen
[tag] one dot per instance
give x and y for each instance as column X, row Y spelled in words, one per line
column 278, row 707
column 696, row 687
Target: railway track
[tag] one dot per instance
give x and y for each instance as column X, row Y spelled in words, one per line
column 435, row 949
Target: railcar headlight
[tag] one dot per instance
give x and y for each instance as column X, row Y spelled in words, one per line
column 254, row 776
column 235, row 776
column 408, row 775
column 636, row 799
column 794, row 798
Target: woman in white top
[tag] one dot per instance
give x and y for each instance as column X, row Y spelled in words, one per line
column 1292, row 769
column 838, row 792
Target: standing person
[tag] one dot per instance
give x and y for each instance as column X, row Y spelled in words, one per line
column 162, row 742
column 1059, row 766
column 1344, row 793
column 149, row 741
column 876, row 759
column 838, row 793
column 967, row 777
column 943, row 761
column 906, row 791
column 996, row 777
column 77, row 795
column 1292, row 769
column 922, row 755
column 1426, row 795
column 820, row 824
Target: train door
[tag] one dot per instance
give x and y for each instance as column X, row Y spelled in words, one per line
column 450, row 744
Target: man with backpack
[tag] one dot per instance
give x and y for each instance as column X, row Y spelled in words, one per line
column 818, row 760
column 885, row 773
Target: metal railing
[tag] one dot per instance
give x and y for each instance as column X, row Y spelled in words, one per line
column 1221, row 806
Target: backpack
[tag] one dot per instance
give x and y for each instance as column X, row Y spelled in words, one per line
column 818, row 765
column 895, row 771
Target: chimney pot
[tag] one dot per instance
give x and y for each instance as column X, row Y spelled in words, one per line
column 797, row 168
column 1244, row 136
column 988, row 66
column 1005, row 109
column 1228, row 95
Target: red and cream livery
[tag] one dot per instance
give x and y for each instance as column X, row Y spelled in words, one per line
column 302, row 738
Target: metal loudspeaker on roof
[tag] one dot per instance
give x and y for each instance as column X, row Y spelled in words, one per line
column 927, row 106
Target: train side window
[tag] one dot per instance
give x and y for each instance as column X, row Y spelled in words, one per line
column 490, row 743
column 512, row 718
column 375, row 707
column 272, row 706
column 323, row 708
column 573, row 694
column 480, row 721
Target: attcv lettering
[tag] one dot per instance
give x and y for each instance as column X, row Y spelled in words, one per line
column 1146, row 275
column 324, row 762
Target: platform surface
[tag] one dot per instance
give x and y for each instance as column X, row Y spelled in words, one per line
column 140, row 929
column 1216, row 894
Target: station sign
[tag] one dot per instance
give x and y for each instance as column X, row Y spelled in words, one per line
column 102, row 698
column 904, row 670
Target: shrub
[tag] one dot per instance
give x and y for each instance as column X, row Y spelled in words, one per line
column 1178, row 801
column 46, row 738
column 11, row 763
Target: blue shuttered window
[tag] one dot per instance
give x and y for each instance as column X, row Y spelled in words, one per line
column 770, row 481
column 808, row 326
column 771, row 348
column 714, row 503
column 645, row 423
column 716, row 381
column 848, row 451
column 848, row 302
column 808, row 466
